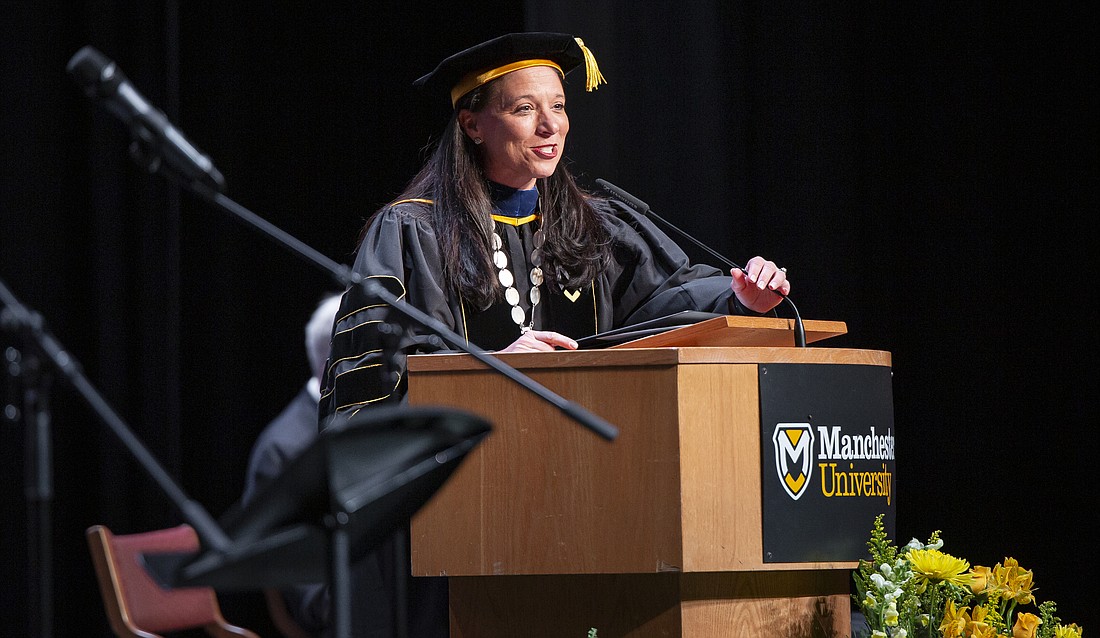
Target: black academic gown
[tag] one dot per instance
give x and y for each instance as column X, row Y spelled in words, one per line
column 649, row 277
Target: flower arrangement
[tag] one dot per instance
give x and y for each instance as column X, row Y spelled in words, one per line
column 918, row 591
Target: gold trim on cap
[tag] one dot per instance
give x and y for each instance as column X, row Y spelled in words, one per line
column 474, row 80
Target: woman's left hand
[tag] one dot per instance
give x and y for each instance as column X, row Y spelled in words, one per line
column 755, row 287
column 541, row 341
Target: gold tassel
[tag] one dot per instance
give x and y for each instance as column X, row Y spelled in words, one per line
column 593, row 77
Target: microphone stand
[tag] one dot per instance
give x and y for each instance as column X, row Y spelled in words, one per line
column 442, row 334
column 643, row 208
column 29, row 386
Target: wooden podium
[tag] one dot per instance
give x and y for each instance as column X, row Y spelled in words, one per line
column 549, row 530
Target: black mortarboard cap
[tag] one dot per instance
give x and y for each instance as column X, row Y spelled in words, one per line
column 466, row 70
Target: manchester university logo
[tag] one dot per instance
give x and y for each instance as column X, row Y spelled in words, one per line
column 834, row 471
column 794, row 448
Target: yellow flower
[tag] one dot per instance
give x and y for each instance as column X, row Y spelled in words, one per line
column 1026, row 626
column 958, row 623
column 890, row 616
column 1072, row 631
column 954, row 620
column 979, row 577
column 1013, row 582
column 977, row 627
column 933, row 566
column 979, row 614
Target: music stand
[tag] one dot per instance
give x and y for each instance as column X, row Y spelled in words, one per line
column 351, row 488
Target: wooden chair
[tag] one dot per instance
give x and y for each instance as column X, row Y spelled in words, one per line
column 136, row 605
column 280, row 616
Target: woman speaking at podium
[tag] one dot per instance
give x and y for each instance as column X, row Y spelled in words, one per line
column 495, row 239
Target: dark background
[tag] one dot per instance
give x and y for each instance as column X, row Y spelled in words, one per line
column 924, row 171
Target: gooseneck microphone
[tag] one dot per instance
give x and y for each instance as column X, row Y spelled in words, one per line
column 643, row 208
column 157, row 144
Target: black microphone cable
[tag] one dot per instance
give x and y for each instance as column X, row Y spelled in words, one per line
column 643, row 208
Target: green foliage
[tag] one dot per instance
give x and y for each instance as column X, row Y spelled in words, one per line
column 1047, row 611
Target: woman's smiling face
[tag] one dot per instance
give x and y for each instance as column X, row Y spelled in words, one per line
column 522, row 127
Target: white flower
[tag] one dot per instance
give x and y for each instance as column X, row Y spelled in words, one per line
column 878, row 634
column 878, row 581
column 915, row 544
column 886, row 570
column 900, row 633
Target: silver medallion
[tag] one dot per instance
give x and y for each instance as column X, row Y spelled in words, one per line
column 500, row 259
column 506, row 278
column 512, row 295
column 536, row 276
column 497, row 242
column 517, row 315
column 535, row 297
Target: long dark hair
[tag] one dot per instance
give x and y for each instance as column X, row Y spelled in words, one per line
column 576, row 248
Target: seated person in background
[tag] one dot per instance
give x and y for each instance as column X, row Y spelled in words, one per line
column 381, row 578
column 281, row 441
column 289, row 433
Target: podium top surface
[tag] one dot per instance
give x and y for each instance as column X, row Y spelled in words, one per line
column 654, row 357
column 738, row 330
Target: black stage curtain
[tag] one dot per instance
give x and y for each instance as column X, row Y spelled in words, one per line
column 922, row 171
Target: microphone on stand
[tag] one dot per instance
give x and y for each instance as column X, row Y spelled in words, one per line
column 643, row 208
column 157, row 144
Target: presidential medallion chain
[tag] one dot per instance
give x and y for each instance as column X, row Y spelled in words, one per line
column 507, row 279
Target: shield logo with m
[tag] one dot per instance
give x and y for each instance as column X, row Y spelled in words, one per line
column 794, row 450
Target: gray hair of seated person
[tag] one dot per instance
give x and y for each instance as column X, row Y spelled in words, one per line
column 319, row 333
